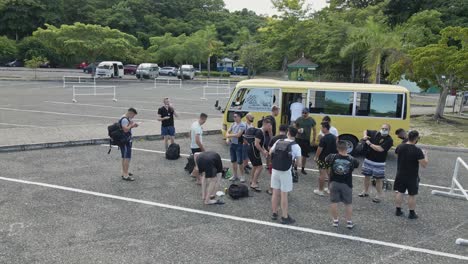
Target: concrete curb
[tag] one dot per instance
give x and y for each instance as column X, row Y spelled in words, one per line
column 451, row 149
column 88, row 142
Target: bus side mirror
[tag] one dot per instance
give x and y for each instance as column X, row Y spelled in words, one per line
column 217, row 107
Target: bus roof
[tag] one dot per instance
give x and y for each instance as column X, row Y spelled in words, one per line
column 322, row 85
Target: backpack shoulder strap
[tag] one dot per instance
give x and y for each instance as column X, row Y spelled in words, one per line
column 122, row 118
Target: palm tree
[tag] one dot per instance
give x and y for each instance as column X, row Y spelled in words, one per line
column 381, row 47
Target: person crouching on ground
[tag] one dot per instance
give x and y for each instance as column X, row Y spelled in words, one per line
column 283, row 153
column 209, row 165
column 341, row 182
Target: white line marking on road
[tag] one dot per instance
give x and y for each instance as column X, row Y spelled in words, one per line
column 124, row 107
column 69, row 114
column 243, row 219
column 18, row 125
column 307, row 169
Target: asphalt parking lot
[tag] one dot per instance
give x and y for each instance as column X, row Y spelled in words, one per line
column 69, row 205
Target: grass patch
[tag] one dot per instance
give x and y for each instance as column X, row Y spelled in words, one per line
column 451, row 131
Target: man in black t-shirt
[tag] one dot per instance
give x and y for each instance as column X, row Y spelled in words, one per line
column 326, row 146
column 341, row 182
column 166, row 115
column 255, row 152
column 379, row 143
column 401, row 134
column 407, row 177
column 210, row 167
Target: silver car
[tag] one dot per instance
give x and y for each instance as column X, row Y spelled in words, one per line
column 170, row 71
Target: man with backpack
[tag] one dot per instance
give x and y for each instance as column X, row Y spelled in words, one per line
column 283, row 152
column 283, row 130
column 126, row 123
column 326, row 146
column 256, row 138
column 341, row 182
column 166, row 115
column 210, row 166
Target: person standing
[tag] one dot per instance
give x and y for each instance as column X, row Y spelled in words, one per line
column 126, row 122
column 296, row 109
column 209, row 165
column 249, row 119
column 407, row 177
column 166, row 115
column 283, row 130
column 401, row 134
column 234, row 138
column 379, row 143
column 326, row 147
column 333, row 129
column 283, row 153
column 256, row 139
column 341, row 182
column 305, row 125
column 196, row 134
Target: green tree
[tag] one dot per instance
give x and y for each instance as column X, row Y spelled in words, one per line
column 443, row 64
column 34, row 63
column 88, row 42
column 421, row 29
column 253, row 56
column 18, row 18
column 8, row 49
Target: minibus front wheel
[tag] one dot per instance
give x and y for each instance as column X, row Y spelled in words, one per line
column 351, row 142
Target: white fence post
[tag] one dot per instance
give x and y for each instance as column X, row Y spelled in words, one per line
column 222, row 87
column 94, row 91
column 167, row 82
column 71, row 80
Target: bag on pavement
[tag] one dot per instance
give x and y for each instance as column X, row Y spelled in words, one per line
column 237, row 191
column 173, row 152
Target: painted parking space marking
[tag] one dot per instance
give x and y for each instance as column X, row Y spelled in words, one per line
column 243, row 219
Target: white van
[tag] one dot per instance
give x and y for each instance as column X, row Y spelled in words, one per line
column 110, row 69
column 188, row 71
column 147, row 71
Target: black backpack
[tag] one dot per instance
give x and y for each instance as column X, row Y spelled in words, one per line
column 237, row 191
column 173, row 152
column 117, row 136
column 190, row 164
column 282, row 156
column 249, row 134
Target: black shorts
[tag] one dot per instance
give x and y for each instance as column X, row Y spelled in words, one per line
column 403, row 185
column 305, row 146
column 195, row 150
column 255, row 156
column 209, row 163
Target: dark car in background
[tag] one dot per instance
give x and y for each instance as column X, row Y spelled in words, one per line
column 130, row 69
column 15, row 63
column 90, row 68
column 48, row 64
column 170, row 71
column 82, row 65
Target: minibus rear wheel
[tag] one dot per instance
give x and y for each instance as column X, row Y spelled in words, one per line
column 351, row 142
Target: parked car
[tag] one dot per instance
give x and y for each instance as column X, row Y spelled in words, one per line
column 110, row 69
column 188, row 72
column 90, row 68
column 130, row 69
column 147, row 71
column 82, row 65
column 15, row 63
column 170, row 71
column 48, row 64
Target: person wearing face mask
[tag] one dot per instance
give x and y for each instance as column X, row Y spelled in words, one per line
column 379, row 143
column 407, row 177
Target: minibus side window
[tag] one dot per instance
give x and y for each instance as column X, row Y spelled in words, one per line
column 331, row 102
column 379, row 105
column 254, row 99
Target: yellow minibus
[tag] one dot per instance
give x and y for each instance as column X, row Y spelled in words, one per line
column 352, row 107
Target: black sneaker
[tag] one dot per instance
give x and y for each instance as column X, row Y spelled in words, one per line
column 413, row 216
column 129, row 178
column 399, row 213
column 248, row 167
column 303, row 172
column 274, row 216
column 287, row 221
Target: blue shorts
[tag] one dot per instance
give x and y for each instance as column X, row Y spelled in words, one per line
column 168, row 131
column 126, row 151
column 373, row 169
column 236, row 151
column 245, row 151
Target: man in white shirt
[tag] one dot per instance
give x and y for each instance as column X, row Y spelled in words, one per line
column 196, row 134
column 283, row 153
column 296, row 109
column 333, row 129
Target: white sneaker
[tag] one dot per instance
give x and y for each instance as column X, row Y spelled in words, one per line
column 350, row 225
column 242, row 179
column 318, row 192
column 335, row 222
column 325, row 190
column 233, row 178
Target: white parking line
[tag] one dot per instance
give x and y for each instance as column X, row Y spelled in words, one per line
column 307, row 169
column 18, row 125
column 68, row 114
column 245, row 220
column 124, row 107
